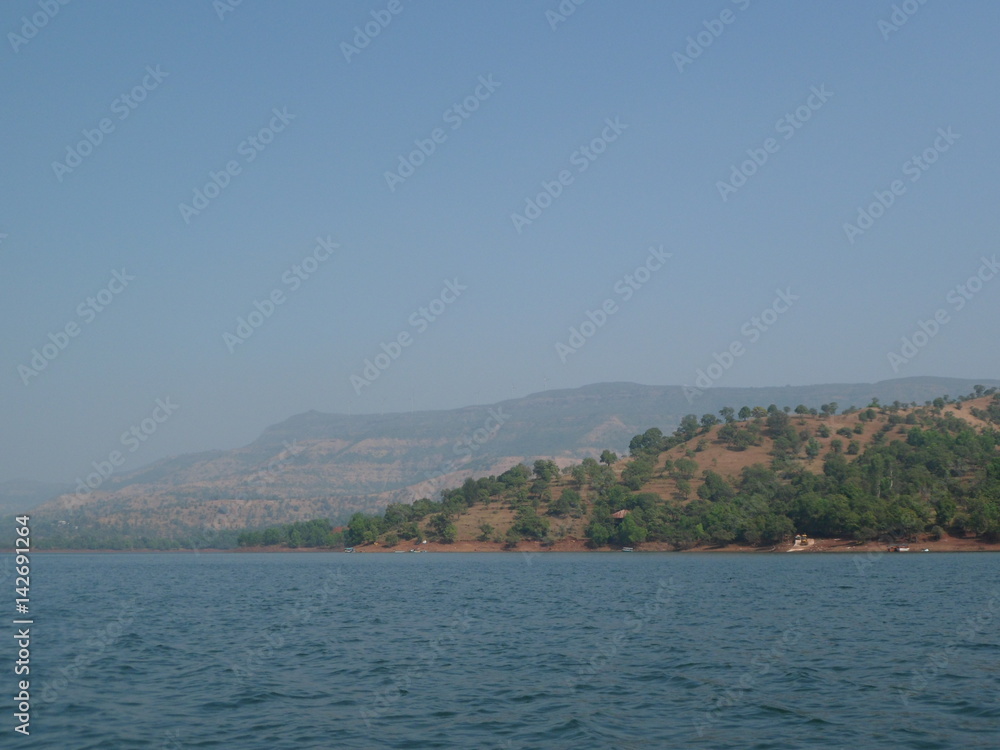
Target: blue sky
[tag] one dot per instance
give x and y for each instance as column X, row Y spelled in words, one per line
column 864, row 100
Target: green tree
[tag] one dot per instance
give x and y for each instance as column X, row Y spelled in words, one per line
column 715, row 488
column 836, row 466
column 629, row 533
column 515, row 476
column 272, row 537
column 728, row 432
column 638, row 472
column 396, row 514
column 744, row 439
column 688, row 427
column 685, row 468
column 722, row 523
column 511, row 538
column 529, row 525
column 569, row 503
column 608, row 457
column 442, row 527
column 361, row 529
column 546, row 470
column 597, row 534
column 648, row 443
column 777, row 423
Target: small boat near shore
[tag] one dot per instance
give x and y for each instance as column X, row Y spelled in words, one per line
column 898, row 548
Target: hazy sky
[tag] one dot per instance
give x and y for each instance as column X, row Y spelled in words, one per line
column 388, row 187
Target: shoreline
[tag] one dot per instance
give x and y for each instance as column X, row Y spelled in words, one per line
column 817, row 546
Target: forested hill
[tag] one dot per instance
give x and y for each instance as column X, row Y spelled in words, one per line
column 752, row 476
column 316, row 465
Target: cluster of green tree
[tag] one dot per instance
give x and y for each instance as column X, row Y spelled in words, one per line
column 740, row 429
column 61, row 537
column 719, row 515
column 937, row 474
column 315, row 533
column 521, row 488
column 942, row 476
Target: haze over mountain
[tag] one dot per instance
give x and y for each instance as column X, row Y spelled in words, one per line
column 627, row 192
column 331, row 465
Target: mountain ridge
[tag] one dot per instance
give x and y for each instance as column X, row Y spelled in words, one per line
column 315, row 464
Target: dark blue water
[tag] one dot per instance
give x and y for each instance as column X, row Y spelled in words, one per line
column 513, row 651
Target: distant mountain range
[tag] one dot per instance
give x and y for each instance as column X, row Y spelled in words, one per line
column 20, row 495
column 331, row 465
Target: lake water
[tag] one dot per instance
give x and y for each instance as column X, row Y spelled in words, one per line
column 513, row 651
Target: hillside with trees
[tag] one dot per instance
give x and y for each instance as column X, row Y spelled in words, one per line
column 749, row 475
column 316, row 465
